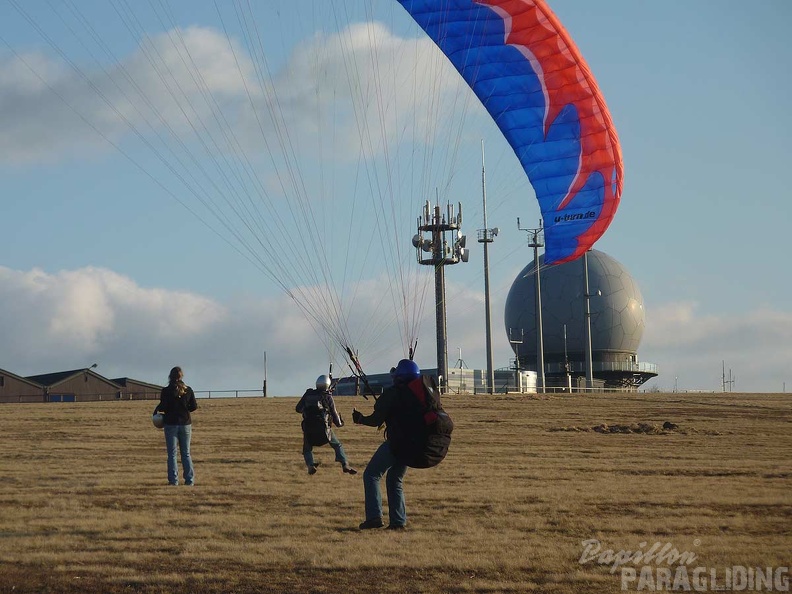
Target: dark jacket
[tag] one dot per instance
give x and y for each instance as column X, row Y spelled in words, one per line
column 176, row 408
column 325, row 401
column 400, row 410
column 401, row 407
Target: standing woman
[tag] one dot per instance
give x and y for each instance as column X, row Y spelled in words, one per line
column 177, row 401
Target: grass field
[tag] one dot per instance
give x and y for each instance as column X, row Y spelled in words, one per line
column 85, row 506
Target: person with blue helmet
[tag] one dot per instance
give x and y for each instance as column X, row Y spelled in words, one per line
column 388, row 410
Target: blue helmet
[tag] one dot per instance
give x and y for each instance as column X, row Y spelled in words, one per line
column 407, row 371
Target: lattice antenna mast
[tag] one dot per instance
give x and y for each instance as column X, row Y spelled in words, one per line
column 439, row 242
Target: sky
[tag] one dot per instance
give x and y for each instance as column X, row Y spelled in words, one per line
column 120, row 245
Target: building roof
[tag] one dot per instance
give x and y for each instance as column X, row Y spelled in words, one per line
column 53, row 379
column 26, row 380
column 125, row 381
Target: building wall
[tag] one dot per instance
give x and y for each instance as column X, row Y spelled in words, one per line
column 138, row 391
column 460, row 381
column 15, row 390
column 84, row 387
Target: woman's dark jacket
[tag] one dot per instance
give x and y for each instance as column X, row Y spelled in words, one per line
column 176, row 408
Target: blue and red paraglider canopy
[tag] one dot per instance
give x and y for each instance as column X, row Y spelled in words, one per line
column 526, row 70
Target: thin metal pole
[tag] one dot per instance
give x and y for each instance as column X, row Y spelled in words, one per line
column 440, row 323
column 440, row 309
column 264, row 387
column 589, row 364
column 517, row 382
column 516, row 344
column 723, row 377
column 536, row 243
column 487, row 309
column 566, row 362
column 539, row 334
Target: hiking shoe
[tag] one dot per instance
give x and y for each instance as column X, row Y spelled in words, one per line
column 369, row 524
column 396, row 527
column 348, row 469
column 312, row 469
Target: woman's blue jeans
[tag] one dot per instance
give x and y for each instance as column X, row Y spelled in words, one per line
column 178, row 436
column 381, row 462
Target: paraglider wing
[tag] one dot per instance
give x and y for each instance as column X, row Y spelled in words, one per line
column 525, row 69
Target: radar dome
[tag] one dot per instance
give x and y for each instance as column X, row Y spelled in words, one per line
column 616, row 305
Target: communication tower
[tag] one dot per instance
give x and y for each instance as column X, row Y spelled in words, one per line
column 439, row 242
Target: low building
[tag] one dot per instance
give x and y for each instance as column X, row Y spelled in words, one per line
column 77, row 385
column 460, row 381
column 14, row 388
column 132, row 389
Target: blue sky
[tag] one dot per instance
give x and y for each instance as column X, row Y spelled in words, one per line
column 102, row 263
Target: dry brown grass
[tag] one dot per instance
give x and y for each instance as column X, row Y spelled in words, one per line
column 84, row 504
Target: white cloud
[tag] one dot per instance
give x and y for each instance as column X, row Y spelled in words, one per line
column 79, row 313
column 368, row 88
column 70, row 319
column 52, row 110
column 361, row 87
column 27, row 73
column 692, row 346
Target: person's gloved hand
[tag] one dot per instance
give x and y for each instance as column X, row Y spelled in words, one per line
column 356, row 416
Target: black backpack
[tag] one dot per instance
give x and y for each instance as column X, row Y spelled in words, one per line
column 316, row 422
column 420, row 431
